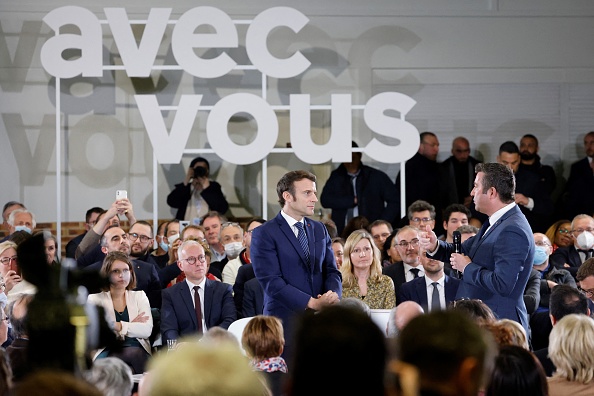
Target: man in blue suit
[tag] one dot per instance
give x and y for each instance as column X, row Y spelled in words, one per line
column 179, row 314
column 295, row 279
column 420, row 290
column 496, row 263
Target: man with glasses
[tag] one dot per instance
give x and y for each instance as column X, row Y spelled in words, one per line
column 233, row 241
column 407, row 243
column 582, row 234
column 380, row 230
column 585, row 277
column 420, row 214
column 193, row 306
column 90, row 219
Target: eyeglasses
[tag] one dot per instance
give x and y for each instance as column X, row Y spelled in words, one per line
column 563, row 231
column 541, row 243
column 192, row 259
column 229, row 224
column 419, row 220
column 580, row 230
column 7, row 260
column 588, row 292
column 377, row 237
column 118, row 272
column 134, row 236
column 406, row 244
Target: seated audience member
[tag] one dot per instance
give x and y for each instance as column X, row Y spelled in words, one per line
column 204, row 369
column 112, row 376
column 185, row 303
column 6, row 211
column 160, row 253
column 389, row 251
column 433, row 291
column 14, row 284
column 21, row 220
column 336, row 331
column 585, row 278
column 212, row 223
column 331, row 227
column 233, row 240
column 516, row 372
column 51, row 247
column 560, row 234
column 253, row 298
column 361, row 271
column 454, row 216
column 565, row 300
column 17, row 351
column 451, row 352
column 401, row 315
column 421, row 214
column 128, row 311
column 406, row 241
column 197, row 194
column 467, row 231
column 207, row 254
column 19, row 237
column 263, row 340
column 477, row 310
column 338, row 249
column 89, row 249
column 90, row 219
column 217, row 335
column 50, row 382
column 380, row 230
column 571, row 349
column 572, row 257
column 356, row 223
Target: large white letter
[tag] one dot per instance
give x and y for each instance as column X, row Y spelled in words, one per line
column 257, row 50
column 385, row 125
column 218, row 135
column 168, row 147
column 138, row 61
column 184, row 40
column 89, row 44
column 338, row 147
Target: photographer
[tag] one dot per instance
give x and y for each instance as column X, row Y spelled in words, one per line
column 197, row 195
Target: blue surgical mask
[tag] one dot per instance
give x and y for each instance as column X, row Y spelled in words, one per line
column 540, row 255
column 22, row 228
column 164, row 246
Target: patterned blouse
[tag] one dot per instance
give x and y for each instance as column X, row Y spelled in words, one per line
column 380, row 295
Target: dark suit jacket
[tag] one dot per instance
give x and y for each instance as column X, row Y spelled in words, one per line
column 253, row 299
column 448, row 185
column 244, row 274
column 73, row 244
column 531, row 185
column 568, row 255
column 532, row 292
column 579, row 189
column 396, row 272
column 178, row 317
column 500, row 266
column 213, row 195
column 376, row 195
column 280, row 266
column 416, row 290
column 147, row 279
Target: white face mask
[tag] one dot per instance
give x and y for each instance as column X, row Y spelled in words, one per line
column 585, row 240
column 233, row 249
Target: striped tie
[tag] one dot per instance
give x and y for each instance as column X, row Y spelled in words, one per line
column 302, row 240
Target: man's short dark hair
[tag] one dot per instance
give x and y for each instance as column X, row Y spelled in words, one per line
column 200, row 159
column 509, row 147
column 94, row 209
column 419, row 206
column 378, row 222
column 455, row 208
column 565, row 300
column 585, row 270
column 287, row 183
column 500, row 177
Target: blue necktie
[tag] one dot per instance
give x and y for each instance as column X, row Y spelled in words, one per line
column 435, row 305
column 303, row 240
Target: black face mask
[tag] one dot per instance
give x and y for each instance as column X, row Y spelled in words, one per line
column 527, row 156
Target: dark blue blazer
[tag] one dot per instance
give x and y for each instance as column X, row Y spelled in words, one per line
column 566, row 255
column 500, row 266
column 396, row 272
column 244, row 274
column 178, row 317
column 416, row 290
column 253, row 299
column 280, row 266
column 579, row 189
column 147, row 280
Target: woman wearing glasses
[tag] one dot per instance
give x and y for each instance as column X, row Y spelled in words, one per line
column 560, row 234
column 11, row 281
column 128, row 312
column 362, row 276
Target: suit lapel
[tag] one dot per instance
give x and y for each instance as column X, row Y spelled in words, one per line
column 490, row 231
column 186, row 296
column 421, row 287
column 309, row 232
column 288, row 232
column 208, row 298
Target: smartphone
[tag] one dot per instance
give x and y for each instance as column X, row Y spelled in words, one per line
column 183, row 224
column 121, row 194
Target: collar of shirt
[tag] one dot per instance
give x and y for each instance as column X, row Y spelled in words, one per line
column 497, row 215
column 429, row 282
column 407, row 268
column 291, row 221
column 201, row 284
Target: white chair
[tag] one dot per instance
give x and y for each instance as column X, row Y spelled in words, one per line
column 236, row 328
column 380, row 317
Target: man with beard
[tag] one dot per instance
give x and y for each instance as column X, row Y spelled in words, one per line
column 147, row 278
column 531, row 160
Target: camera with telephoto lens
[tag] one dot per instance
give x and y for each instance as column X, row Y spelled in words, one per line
column 199, row 171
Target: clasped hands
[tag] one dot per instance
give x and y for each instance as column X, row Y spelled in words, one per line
column 323, row 300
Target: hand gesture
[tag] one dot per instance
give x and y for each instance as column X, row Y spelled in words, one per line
column 428, row 239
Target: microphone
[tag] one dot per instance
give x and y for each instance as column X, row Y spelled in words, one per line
column 457, row 245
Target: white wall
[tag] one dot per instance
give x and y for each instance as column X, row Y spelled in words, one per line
column 487, row 70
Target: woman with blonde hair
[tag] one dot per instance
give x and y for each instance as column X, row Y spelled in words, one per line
column 571, row 349
column 559, row 233
column 362, row 276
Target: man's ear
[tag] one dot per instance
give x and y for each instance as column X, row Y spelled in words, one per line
column 287, row 196
column 104, row 249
